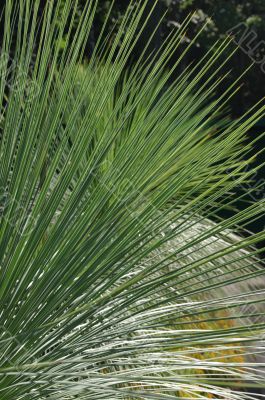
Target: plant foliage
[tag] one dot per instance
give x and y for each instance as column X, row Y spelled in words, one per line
column 118, row 278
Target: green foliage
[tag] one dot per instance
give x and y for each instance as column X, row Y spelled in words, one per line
column 222, row 16
column 117, row 279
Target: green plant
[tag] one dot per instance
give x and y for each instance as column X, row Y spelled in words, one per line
column 116, row 271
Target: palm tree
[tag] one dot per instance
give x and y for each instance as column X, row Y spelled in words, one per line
column 119, row 278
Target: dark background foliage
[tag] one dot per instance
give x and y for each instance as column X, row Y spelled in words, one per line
column 225, row 15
